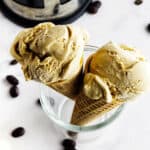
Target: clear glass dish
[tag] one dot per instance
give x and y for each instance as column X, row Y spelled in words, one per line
column 59, row 109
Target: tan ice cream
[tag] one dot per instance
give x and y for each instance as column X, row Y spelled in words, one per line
column 51, row 54
column 113, row 75
column 122, row 68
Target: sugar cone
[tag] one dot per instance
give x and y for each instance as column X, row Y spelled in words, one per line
column 70, row 87
column 86, row 110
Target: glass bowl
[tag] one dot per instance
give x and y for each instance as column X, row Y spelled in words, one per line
column 59, row 109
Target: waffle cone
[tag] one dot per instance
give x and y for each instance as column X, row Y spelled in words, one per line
column 86, row 110
column 70, row 87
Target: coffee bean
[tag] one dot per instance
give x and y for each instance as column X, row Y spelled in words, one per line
column 56, row 9
column 138, row 2
column 68, row 143
column 12, row 80
column 20, row 131
column 14, row 91
column 13, row 62
column 93, row 7
column 148, row 28
column 38, row 102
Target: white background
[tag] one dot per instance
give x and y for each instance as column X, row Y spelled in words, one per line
column 117, row 20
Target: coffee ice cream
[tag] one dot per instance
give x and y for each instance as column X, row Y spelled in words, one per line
column 52, row 54
column 113, row 75
column 122, row 68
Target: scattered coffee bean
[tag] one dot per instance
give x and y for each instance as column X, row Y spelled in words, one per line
column 13, row 62
column 20, row 131
column 68, row 143
column 93, row 7
column 138, row 2
column 12, row 80
column 148, row 28
column 38, row 102
column 56, row 9
column 14, row 91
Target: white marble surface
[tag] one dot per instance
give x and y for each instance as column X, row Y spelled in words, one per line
column 117, row 20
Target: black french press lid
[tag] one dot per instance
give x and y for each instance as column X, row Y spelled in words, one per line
column 26, row 22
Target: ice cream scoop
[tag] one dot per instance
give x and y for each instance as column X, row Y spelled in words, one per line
column 113, row 75
column 122, row 68
column 52, row 54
